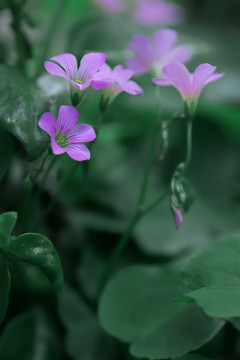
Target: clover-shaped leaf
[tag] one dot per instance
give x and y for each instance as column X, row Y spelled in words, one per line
column 20, row 111
column 138, row 306
column 36, row 249
column 214, row 277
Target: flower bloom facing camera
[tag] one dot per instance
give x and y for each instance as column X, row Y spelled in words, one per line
column 189, row 85
column 157, row 12
column 115, row 82
column 152, row 56
column 65, row 66
column 65, row 135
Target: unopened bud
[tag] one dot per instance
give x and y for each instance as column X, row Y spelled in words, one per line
column 177, row 217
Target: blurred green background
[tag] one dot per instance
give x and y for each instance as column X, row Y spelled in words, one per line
column 88, row 217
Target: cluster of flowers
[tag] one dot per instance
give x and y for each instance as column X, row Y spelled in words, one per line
column 147, row 12
column 160, row 58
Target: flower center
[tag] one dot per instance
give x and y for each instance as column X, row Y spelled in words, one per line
column 79, row 82
column 61, row 140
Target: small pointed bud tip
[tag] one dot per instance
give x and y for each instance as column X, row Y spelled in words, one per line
column 177, row 217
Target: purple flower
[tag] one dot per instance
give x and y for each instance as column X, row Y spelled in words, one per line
column 177, row 217
column 157, row 12
column 65, row 135
column 153, row 56
column 65, row 66
column 115, row 81
column 189, row 85
column 111, row 5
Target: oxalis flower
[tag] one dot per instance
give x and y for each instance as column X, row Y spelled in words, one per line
column 152, row 56
column 65, row 135
column 189, row 85
column 157, row 12
column 147, row 12
column 115, row 81
column 65, row 66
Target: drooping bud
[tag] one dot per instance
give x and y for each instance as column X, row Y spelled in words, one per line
column 177, row 217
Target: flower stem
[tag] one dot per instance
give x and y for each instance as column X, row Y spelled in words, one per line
column 189, row 144
column 148, row 167
column 40, row 189
column 40, row 169
column 28, row 200
column 140, row 211
column 155, row 203
column 118, row 251
column 55, row 197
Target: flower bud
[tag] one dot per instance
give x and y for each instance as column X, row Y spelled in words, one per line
column 177, row 217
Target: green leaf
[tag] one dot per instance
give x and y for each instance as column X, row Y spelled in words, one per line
column 7, row 223
column 5, row 287
column 6, row 148
column 215, row 278
column 38, row 250
column 192, row 357
column 29, row 335
column 85, row 339
column 20, row 111
column 138, row 306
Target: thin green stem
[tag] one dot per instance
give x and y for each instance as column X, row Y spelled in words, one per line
column 143, row 188
column 55, row 197
column 45, row 176
column 155, row 203
column 189, row 144
column 140, row 211
column 122, row 243
column 40, row 169
column 50, row 35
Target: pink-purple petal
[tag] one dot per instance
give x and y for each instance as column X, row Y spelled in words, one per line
column 55, row 70
column 214, row 77
column 105, row 68
column 90, row 64
column 67, row 118
column 179, row 53
column 69, row 63
column 78, row 152
column 157, row 12
column 131, row 87
column 179, row 75
column 142, row 48
column 122, row 74
column 81, row 133
column 200, row 76
column 162, row 82
column 100, row 84
column 163, row 40
column 56, row 149
column 47, row 123
column 137, row 66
